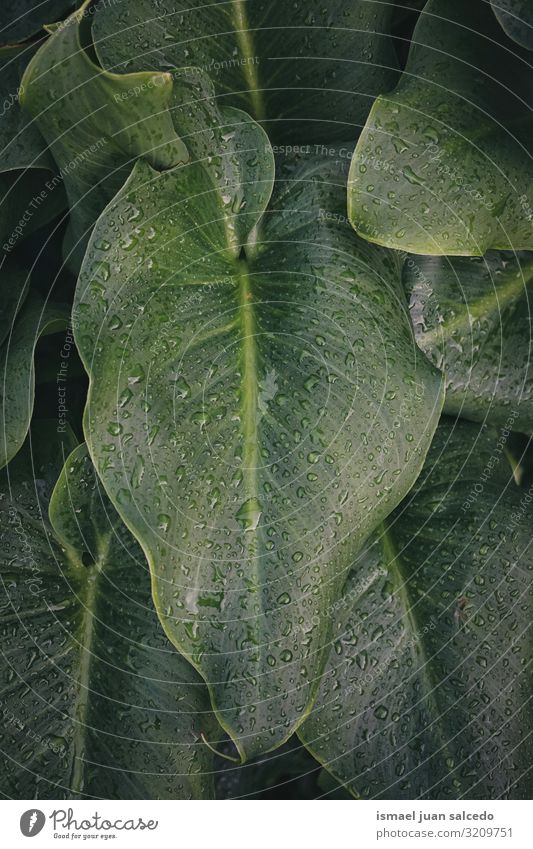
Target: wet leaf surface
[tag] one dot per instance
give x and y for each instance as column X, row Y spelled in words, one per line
column 96, row 703
column 444, row 163
column 427, row 687
column 257, row 406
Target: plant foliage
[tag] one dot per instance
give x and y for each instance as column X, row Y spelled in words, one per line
column 265, row 344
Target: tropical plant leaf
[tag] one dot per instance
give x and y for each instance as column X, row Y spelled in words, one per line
column 257, row 405
column 21, row 143
column 331, row 789
column 95, row 701
column 516, row 17
column 26, row 167
column 17, row 370
column 427, row 688
column 444, row 163
column 472, row 317
column 96, row 123
column 310, row 73
column 20, row 19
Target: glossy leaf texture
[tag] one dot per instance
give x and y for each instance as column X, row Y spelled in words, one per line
column 516, row 17
column 17, row 368
column 473, row 318
column 444, row 163
column 309, row 70
column 257, row 405
column 26, row 166
column 21, row 142
column 426, row 694
column 96, row 703
column 96, row 123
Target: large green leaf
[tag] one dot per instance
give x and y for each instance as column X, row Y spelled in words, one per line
column 516, row 17
column 96, row 123
column 310, row 69
column 21, row 143
column 472, row 317
column 17, row 369
column 444, row 163
column 95, row 701
column 26, row 167
column 427, row 691
column 257, row 405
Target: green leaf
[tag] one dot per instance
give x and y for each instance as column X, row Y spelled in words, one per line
column 516, row 17
column 17, row 370
column 310, row 72
column 427, row 687
column 26, row 167
column 20, row 141
column 444, row 163
column 257, row 405
column 20, row 19
column 472, row 318
column 95, row 702
column 96, row 123
column 330, row 789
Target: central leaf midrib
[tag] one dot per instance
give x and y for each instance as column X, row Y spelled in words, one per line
column 81, row 707
column 246, row 48
column 249, row 394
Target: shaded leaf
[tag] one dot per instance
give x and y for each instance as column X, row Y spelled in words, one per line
column 472, row 317
column 257, row 405
column 21, row 143
column 288, row 773
column 95, row 701
column 427, row 688
column 20, row 19
column 331, row 789
column 516, row 17
column 17, row 370
column 26, row 167
column 444, row 163
column 14, row 283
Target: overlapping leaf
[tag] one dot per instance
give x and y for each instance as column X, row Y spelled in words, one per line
column 427, row 691
column 17, row 369
column 472, row 317
column 309, row 70
column 26, row 167
column 96, row 123
column 257, row 405
column 444, row 164
column 95, row 701
column 516, row 17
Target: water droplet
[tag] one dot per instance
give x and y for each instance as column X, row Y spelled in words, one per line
column 249, row 514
